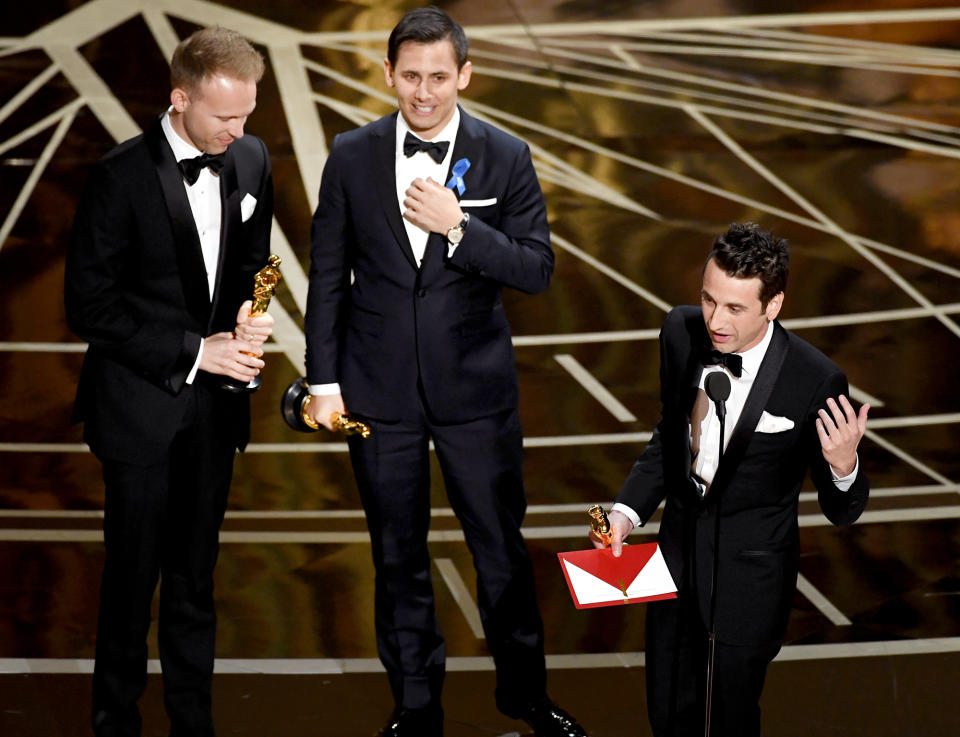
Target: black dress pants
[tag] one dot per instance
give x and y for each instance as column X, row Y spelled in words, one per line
column 162, row 522
column 676, row 665
column 481, row 463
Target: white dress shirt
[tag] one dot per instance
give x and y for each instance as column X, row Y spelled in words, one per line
column 406, row 169
column 205, row 204
column 421, row 166
column 706, row 461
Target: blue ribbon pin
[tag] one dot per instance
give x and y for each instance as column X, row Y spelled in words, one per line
column 459, row 169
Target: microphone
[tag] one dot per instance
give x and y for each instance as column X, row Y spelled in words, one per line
column 717, row 387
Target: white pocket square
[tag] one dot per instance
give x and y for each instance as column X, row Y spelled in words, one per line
column 773, row 423
column 479, row 203
column 247, row 205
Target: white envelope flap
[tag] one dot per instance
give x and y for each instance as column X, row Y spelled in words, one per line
column 589, row 588
column 654, row 579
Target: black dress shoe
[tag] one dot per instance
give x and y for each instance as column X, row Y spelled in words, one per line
column 414, row 723
column 549, row 720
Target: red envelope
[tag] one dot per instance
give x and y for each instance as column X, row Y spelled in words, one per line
column 596, row 578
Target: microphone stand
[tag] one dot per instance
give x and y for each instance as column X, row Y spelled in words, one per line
column 717, row 390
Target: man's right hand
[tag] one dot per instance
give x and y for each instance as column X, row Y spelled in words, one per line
column 229, row 356
column 620, row 527
column 321, row 407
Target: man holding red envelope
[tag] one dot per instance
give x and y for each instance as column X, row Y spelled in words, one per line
column 729, row 531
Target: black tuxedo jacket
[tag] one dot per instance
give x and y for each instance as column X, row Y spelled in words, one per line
column 136, row 290
column 442, row 324
column 757, row 484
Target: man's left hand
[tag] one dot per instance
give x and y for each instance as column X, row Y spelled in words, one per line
column 620, row 527
column 255, row 329
column 840, row 434
column 432, row 207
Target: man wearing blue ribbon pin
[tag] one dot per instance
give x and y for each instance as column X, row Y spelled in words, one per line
column 432, row 213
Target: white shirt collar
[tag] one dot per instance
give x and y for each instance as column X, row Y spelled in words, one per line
column 752, row 357
column 181, row 149
column 449, row 132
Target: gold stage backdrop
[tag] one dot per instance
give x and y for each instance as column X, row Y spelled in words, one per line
column 653, row 125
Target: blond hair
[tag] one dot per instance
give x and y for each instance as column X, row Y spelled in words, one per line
column 211, row 51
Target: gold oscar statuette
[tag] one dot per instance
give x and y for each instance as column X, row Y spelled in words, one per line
column 599, row 524
column 265, row 284
column 349, row 426
column 342, row 423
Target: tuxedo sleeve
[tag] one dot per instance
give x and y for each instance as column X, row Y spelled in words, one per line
column 329, row 280
column 517, row 253
column 840, row 507
column 98, row 277
column 645, row 486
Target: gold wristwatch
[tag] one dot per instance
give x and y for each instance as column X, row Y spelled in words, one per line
column 455, row 234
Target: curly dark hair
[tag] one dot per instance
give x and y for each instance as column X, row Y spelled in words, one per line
column 427, row 25
column 745, row 251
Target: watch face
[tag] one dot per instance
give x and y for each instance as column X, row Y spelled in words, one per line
column 455, row 234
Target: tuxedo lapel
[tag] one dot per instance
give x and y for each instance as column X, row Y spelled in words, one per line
column 230, row 224
column 767, row 376
column 470, row 144
column 384, row 154
column 193, row 273
column 685, row 392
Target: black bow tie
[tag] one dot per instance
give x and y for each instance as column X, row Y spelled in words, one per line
column 191, row 168
column 437, row 150
column 732, row 361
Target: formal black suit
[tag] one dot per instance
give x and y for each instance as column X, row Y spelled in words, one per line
column 757, row 487
column 425, row 353
column 137, row 291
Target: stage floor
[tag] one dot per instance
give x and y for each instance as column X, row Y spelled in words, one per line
column 652, row 127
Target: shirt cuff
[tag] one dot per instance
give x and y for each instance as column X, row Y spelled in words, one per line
column 196, row 365
column 631, row 515
column 324, row 390
column 846, row 482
